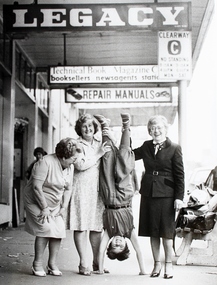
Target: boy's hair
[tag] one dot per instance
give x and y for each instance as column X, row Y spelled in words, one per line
column 124, row 254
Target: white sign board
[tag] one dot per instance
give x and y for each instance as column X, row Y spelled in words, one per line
column 121, row 95
column 103, row 74
column 174, row 55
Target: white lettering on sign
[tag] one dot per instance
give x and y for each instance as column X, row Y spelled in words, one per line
column 118, row 95
column 53, row 17
column 134, row 16
column 20, row 19
column 170, row 18
column 81, row 18
column 110, row 16
column 103, row 74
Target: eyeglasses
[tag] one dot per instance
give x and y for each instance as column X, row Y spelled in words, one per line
column 156, row 128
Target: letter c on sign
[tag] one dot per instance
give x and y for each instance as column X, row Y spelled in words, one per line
column 174, row 47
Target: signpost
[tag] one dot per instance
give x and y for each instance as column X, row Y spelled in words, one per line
column 103, row 74
column 121, row 95
column 174, row 55
column 78, row 17
column 171, row 20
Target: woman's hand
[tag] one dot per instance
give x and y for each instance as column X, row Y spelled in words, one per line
column 44, row 215
column 62, row 213
column 178, row 204
column 110, row 135
column 105, row 148
column 204, row 209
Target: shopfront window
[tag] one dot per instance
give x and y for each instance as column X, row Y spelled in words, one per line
column 25, row 73
column 5, row 49
column 2, row 198
column 43, row 94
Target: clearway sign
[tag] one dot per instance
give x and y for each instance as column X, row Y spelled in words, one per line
column 174, row 55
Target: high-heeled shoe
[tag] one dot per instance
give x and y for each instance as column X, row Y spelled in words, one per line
column 54, row 272
column 96, row 268
column 168, row 275
column 154, row 272
column 40, row 273
column 84, row 270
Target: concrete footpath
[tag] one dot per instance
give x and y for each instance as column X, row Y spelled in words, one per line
column 17, row 251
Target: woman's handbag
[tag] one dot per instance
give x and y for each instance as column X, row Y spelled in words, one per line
column 190, row 218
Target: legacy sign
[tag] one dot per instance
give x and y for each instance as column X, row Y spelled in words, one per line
column 48, row 17
column 122, row 95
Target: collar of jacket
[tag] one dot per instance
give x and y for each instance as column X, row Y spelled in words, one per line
column 166, row 143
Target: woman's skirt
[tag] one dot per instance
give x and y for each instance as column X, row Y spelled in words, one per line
column 157, row 217
column 54, row 228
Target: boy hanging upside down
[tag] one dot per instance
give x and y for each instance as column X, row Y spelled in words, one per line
column 117, row 191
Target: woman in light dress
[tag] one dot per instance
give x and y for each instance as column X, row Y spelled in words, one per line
column 86, row 206
column 46, row 198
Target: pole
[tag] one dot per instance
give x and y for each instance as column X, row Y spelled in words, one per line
column 64, row 51
column 182, row 114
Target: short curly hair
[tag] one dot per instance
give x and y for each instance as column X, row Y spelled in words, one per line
column 82, row 119
column 67, row 147
column 124, row 254
column 40, row 150
column 155, row 119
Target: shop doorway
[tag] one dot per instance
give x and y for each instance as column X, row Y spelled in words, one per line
column 20, row 146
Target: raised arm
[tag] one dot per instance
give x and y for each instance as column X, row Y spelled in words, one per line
column 88, row 161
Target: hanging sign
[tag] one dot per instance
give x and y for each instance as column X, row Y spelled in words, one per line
column 69, row 17
column 174, row 55
column 119, row 95
column 103, row 74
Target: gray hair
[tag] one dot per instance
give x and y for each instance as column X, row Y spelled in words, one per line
column 155, row 119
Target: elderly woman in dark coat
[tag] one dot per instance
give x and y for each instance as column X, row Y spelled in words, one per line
column 162, row 191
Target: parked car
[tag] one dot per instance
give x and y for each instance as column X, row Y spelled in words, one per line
column 198, row 176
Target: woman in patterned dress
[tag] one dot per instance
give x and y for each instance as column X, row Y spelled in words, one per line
column 86, row 206
column 46, row 197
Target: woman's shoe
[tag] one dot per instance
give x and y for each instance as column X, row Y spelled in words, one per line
column 40, row 273
column 54, row 272
column 168, row 275
column 84, row 270
column 156, row 273
column 96, row 268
